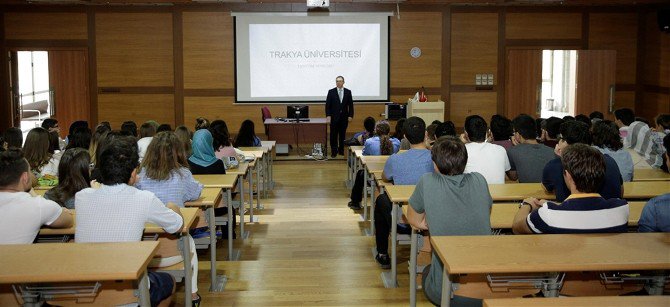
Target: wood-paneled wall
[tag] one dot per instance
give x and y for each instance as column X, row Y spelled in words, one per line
column 175, row 64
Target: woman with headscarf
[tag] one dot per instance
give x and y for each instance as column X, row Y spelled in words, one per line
column 202, row 159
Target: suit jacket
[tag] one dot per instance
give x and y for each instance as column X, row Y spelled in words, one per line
column 337, row 110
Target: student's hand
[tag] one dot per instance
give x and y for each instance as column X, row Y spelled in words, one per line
column 328, row 119
column 349, row 118
column 464, row 138
column 534, row 203
column 514, row 140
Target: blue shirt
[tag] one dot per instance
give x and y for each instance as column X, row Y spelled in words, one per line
column 179, row 188
column 407, row 167
column 372, row 148
column 623, row 160
column 553, row 181
column 655, row 216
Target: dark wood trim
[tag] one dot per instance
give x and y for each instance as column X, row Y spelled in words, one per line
column 502, row 63
column 625, row 87
column 467, row 88
column 640, row 59
column 543, row 42
column 136, row 90
column 586, row 27
column 45, row 43
column 92, row 67
column 6, row 114
column 474, row 9
column 413, row 90
column 650, row 88
column 446, row 62
column 210, row 92
column 178, row 58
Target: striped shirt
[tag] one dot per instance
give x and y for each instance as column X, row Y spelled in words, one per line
column 581, row 213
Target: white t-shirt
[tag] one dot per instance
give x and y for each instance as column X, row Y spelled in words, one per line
column 22, row 216
column 118, row 213
column 143, row 145
column 488, row 159
column 51, row 168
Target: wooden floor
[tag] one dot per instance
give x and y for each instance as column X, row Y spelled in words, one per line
column 307, row 249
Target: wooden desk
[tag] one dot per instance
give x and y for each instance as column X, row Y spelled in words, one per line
column 216, row 187
column 591, row 301
column 258, row 164
column 80, row 262
column 272, row 145
column 518, row 191
column 314, row 131
column 645, row 190
column 188, row 214
column 550, row 253
column 373, row 168
column 351, row 165
column 650, row 175
column 397, row 194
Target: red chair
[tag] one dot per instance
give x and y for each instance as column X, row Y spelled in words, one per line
column 266, row 114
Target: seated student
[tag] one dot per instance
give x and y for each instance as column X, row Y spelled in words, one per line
column 501, row 130
column 624, row 117
column 527, row 157
column 401, row 168
column 607, row 140
column 369, row 125
column 453, row 203
column 488, row 159
column 203, row 160
column 584, row 119
column 550, row 131
column 101, row 133
column 164, row 127
column 445, row 128
column 379, row 145
column 655, row 216
column 73, row 176
column 21, row 214
column 584, row 211
column 246, row 137
column 165, row 173
column 400, row 134
column 223, row 147
column 130, row 127
column 147, row 132
column 51, row 124
column 73, row 127
column 661, row 130
column 201, row 123
column 13, row 138
column 430, row 135
column 573, row 132
column 81, row 138
column 36, row 151
column 117, row 211
column 184, row 136
column 596, row 116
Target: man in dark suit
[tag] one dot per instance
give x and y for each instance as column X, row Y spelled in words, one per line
column 339, row 112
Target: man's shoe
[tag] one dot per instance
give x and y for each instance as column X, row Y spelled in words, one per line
column 333, row 155
column 341, row 153
column 384, row 261
column 354, row 206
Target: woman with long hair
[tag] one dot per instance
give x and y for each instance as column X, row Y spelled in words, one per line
column 164, row 172
column 36, row 151
column 100, row 133
column 246, row 137
column 80, row 138
column 223, row 146
column 607, row 140
column 379, row 145
column 184, row 135
column 73, row 176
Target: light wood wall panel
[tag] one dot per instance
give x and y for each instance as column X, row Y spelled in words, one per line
column 117, row 108
column 134, row 49
column 45, row 26
column 543, row 25
column 474, row 46
column 224, row 108
column 416, row 29
column 616, row 32
column 466, row 104
column 208, row 50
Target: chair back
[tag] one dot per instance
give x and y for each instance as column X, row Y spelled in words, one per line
column 266, row 114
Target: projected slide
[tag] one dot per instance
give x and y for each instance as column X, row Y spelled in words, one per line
column 288, row 61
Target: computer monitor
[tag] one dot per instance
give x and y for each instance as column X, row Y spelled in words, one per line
column 298, row 112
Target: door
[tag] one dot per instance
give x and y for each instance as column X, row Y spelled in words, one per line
column 68, row 78
column 523, row 82
column 596, row 76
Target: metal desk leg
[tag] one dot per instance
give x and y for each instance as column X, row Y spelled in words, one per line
column 412, row 267
column 446, row 288
column 231, row 213
column 391, row 281
column 258, row 188
column 212, row 247
column 143, row 287
column 371, row 230
column 365, row 194
column 185, row 248
column 240, row 184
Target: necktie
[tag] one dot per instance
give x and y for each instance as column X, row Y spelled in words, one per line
column 339, row 92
